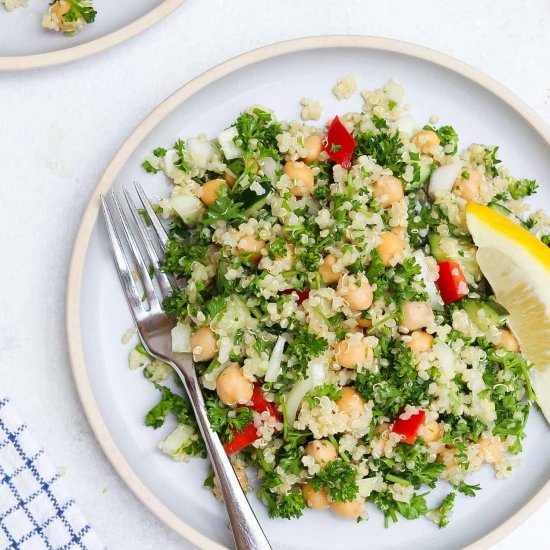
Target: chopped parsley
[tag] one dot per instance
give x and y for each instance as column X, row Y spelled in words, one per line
column 304, row 347
column 447, row 136
column 224, row 208
column 169, row 401
column 176, row 303
column 520, row 189
column 258, row 127
column 149, row 167
column 227, row 421
column 79, row 9
column 384, row 147
column 339, row 478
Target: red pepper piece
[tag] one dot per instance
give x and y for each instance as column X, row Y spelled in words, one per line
column 261, row 404
column 409, row 428
column 241, row 440
column 339, row 143
column 245, row 438
column 452, row 282
column 302, row 294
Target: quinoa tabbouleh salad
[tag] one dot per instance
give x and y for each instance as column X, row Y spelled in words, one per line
column 349, row 346
column 65, row 16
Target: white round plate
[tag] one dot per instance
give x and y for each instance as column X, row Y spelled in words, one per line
column 24, row 44
column 116, row 399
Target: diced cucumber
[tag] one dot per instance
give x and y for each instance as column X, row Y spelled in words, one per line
column 485, row 313
column 421, row 173
column 434, row 241
column 502, row 210
column 426, row 171
column 445, row 249
column 251, row 201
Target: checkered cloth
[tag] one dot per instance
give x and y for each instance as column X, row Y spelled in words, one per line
column 36, row 510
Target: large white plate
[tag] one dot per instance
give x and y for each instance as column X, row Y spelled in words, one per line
column 24, row 44
column 115, row 399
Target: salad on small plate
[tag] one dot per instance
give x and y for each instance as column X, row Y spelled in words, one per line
column 65, row 16
column 26, row 28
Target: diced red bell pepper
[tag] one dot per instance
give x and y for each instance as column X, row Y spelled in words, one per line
column 245, row 438
column 339, row 143
column 302, row 294
column 452, row 282
column 241, row 440
column 260, row 404
column 409, row 428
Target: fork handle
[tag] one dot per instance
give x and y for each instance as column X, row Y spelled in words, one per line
column 247, row 531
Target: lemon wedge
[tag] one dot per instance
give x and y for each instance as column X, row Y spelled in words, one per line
column 517, row 266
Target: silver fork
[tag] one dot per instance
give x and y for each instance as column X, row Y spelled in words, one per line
column 154, row 328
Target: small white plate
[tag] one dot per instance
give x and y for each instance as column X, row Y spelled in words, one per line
column 24, row 44
column 116, row 399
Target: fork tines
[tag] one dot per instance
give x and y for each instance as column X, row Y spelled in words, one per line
column 138, row 254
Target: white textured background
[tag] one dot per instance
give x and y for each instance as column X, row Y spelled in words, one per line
column 59, row 127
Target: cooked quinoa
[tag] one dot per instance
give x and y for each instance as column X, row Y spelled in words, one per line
column 12, row 4
column 311, row 109
column 333, row 360
column 345, row 87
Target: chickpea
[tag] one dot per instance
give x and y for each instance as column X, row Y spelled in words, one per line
column 314, row 146
column 211, row 190
column 364, row 323
column 417, row 315
column 491, row 450
column 327, row 273
column 322, row 451
column 400, row 231
column 302, row 174
column 349, row 510
column 318, row 500
column 432, row 432
column 61, row 8
column 420, row 342
column 388, row 189
column 448, row 457
column 351, row 354
column 359, row 297
column 230, row 179
column 469, row 188
column 232, row 387
column 252, row 245
column 205, row 341
column 508, row 341
column 351, row 402
column 390, row 245
column 425, row 140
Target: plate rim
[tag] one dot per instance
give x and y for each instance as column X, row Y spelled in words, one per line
column 58, row 57
column 73, row 325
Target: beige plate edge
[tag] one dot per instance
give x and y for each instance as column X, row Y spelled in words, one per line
column 76, row 352
column 22, row 62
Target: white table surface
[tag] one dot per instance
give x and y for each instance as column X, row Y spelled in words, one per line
column 59, row 127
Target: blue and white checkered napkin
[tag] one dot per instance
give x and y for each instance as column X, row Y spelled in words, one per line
column 36, row 510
